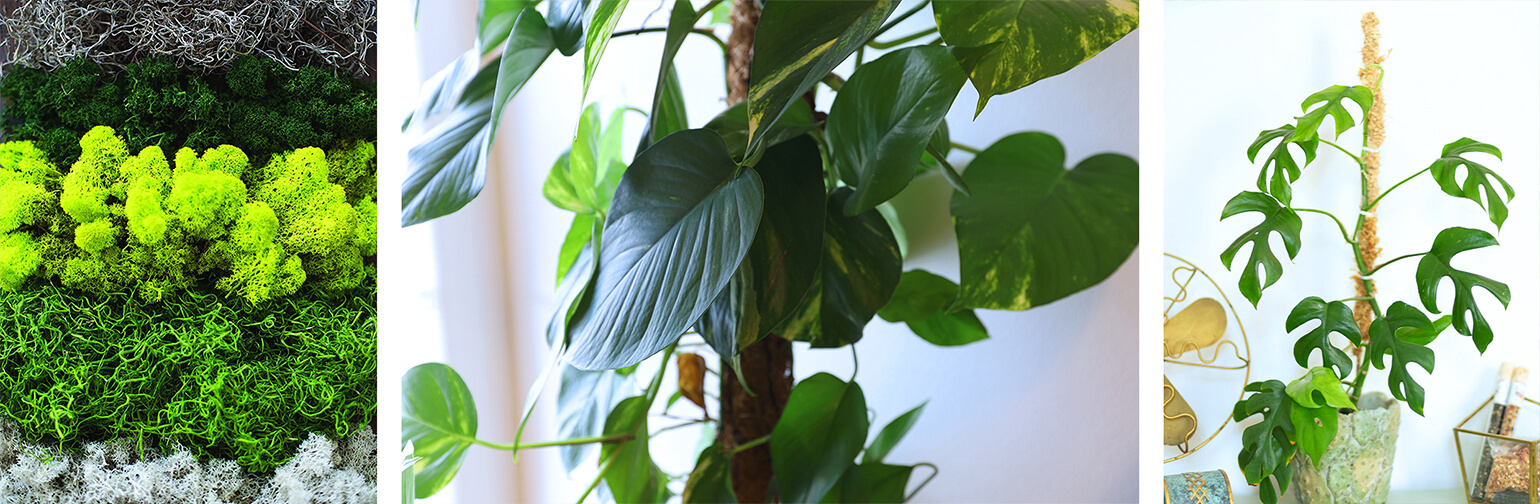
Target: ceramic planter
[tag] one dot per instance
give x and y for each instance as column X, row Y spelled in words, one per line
column 1356, row 466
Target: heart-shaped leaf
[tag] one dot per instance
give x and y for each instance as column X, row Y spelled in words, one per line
column 891, row 435
column 661, row 123
column 796, row 44
column 1334, row 317
column 1276, row 218
column 438, row 418
column 1388, row 335
column 1438, row 264
column 710, row 482
column 1033, row 231
column 600, row 26
column 670, row 116
column 1314, row 429
column 584, row 400
column 1332, row 106
column 733, row 125
column 1478, row 178
column 883, row 117
column 923, row 300
column 1285, row 168
column 682, row 221
column 1319, row 388
column 783, row 260
column 567, row 24
column 860, row 269
column 870, row 482
column 1266, row 446
column 819, row 434
column 633, row 477
column 1008, row 45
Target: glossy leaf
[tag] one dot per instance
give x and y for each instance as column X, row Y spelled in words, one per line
column 783, row 259
column 1478, row 178
column 584, row 400
column 661, row 123
column 1388, row 336
column 891, row 435
column 1033, row 231
column 1284, row 168
column 1314, row 429
column 923, row 301
column 681, row 222
column 438, row 417
column 562, row 190
column 567, row 24
column 600, row 26
column 440, row 92
column 860, row 269
column 578, row 235
column 1276, row 218
column 1334, row 317
column 1437, row 265
column 571, row 295
column 611, row 166
column 496, row 21
column 796, row 44
column 671, row 115
column 1331, row 100
column 529, row 44
column 710, row 481
column 572, row 184
column 1319, row 388
column 1266, row 446
column 1009, row 45
column 633, row 477
column 870, row 482
column 884, row 116
column 819, row 434
column 733, row 125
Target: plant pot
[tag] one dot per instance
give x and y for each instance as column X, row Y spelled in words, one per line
column 1356, row 466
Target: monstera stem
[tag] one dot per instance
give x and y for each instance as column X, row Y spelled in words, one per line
column 1367, row 240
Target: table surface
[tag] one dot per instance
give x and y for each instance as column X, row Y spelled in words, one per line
column 1396, row 497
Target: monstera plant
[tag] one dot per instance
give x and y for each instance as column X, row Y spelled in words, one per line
column 769, row 224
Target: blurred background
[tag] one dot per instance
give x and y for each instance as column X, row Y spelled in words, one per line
column 1044, row 411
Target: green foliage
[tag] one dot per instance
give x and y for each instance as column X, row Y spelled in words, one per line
column 1276, row 218
column 220, row 377
column 438, row 416
column 1267, row 446
column 1438, row 264
column 256, row 105
column 19, row 259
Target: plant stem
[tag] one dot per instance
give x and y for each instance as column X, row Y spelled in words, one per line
column 676, row 426
column 1376, row 201
column 1356, row 159
column 706, row 9
column 834, row 81
column 1387, row 263
column 874, row 44
column 966, row 148
column 1340, row 227
column 707, row 32
column 895, row 21
column 751, row 444
column 604, row 468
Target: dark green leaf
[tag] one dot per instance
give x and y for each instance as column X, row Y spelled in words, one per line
column 1332, row 96
column 682, row 221
column 796, row 44
column 942, row 141
column 1013, row 44
column 883, row 117
column 529, row 44
column 633, row 477
column 1276, row 218
column 440, row 91
column 1388, row 335
column 1314, row 428
column 733, row 125
column 1034, row 232
column 1477, row 178
column 860, row 269
column 870, row 482
column 891, row 435
column 438, row 416
column 578, row 235
column 496, row 21
column 1438, row 264
column 599, row 29
column 679, row 24
column 1266, row 446
column 584, row 400
column 923, row 300
column 1334, row 317
column 710, row 482
column 567, row 24
column 783, row 260
column 670, row 116
column 1285, row 169
column 1319, row 388
column 819, row 434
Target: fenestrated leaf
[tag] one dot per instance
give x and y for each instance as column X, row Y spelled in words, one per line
column 1437, row 265
column 567, row 24
column 859, row 271
column 710, row 482
column 1334, row 317
column 681, row 222
column 496, row 21
column 1319, row 388
column 1388, row 335
column 892, row 434
column 1477, row 178
column 1266, row 446
column 1310, row 123
column 660, row 124
column 584, row 400
column 1276, row 218
column 578, row 235
column 438, row 417
column 870, row 482
column 1009, row 45
column 600, row 26
column 883, row 117
column 922, row 300
column 1314, row 429
column 1285, row 168
column 1033, row 231
column 796, row 44
column 733, row 125
column 819, row 434
column 784, row 257
column 633, row 477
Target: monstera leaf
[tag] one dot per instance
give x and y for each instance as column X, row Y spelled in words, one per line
column 1478, row 178
column 1267, row 446
column 682, row 221
column 1395, row 335
column 860, row 269
column 1004, row 46
column 1317, row 396
column 1334, row 317
column 1437, row 264
column 1285, row 168
column 1332, row 106
column 1276, row 218
column 438, row 418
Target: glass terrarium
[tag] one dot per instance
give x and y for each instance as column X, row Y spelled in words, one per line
column 1500, row 468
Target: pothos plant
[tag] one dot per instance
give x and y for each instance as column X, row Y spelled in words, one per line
column 1302, row 416
column 769, row 224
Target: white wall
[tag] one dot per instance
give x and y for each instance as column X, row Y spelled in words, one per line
column 1234, row 69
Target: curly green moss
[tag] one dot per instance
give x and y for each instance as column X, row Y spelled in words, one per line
column 224, row 378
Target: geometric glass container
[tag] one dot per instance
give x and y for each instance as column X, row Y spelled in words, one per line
column 1496, row 468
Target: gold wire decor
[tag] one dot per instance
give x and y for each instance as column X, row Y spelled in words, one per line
column 1191, row 354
